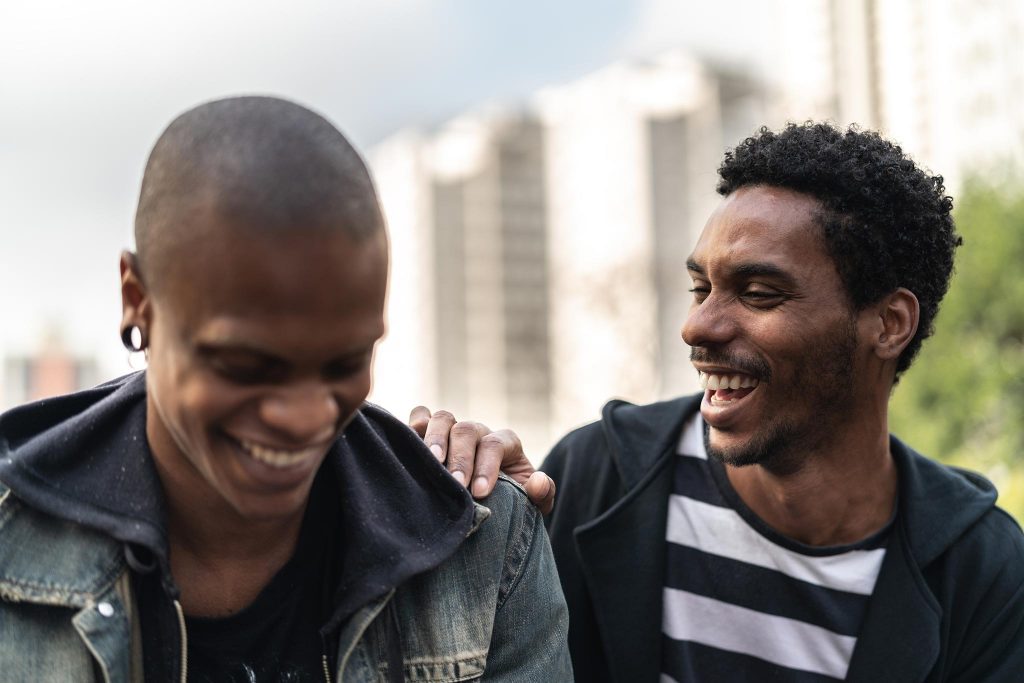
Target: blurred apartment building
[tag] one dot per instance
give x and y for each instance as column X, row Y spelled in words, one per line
column 944, row 78
column 538, row 262
column 48, row 371
column 539, row 250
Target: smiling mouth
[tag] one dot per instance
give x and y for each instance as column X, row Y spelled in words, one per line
column 723, row 389
column 279, row 458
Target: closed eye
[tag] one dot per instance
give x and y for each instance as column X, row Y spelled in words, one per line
column 700, row 293
column 762, row 298
column 341, row 369
column 256, row 372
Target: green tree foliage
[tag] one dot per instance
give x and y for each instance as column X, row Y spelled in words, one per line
column 963, row 399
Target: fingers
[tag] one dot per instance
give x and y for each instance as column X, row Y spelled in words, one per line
column 462, row 449
column 475, row 455
column 435, row 434
column 541, row 490
column 493, row 453
column 418, row 419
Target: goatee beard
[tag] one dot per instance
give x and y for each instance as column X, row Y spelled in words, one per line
column 772, row 451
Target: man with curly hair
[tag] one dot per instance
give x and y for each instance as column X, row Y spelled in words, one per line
column 771, row 528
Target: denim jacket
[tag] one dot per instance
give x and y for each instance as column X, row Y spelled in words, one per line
column 66, row 610
column 490, row 609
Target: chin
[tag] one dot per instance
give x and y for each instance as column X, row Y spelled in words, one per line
column 775, row 449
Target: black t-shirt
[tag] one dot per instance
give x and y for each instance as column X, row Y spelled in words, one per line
column 276, row 638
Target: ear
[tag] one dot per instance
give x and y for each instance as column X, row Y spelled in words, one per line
column 135, row 306
column 898, row 317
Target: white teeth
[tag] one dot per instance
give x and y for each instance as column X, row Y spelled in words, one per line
column 716, row 382
column 278, row 458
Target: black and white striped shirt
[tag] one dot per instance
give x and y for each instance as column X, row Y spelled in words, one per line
column 744, row 603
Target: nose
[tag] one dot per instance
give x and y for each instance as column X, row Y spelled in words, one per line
column 305, row 413
column 708, row 323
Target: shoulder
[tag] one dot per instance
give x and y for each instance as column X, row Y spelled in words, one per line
column 501, row 578
column 507, row 530
column 52, row 561
column 990, row 552
column 506, row 518
column 586, row 441
column 979, row 584
column 628, row 439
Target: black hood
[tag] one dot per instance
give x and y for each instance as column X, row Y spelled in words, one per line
column 84, row 458
column 937, row 504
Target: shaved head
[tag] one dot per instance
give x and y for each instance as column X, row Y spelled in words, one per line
column 263, row 164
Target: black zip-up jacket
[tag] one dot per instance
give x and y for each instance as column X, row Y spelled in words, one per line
column 948, row 604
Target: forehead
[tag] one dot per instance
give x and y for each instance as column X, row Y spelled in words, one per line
column 306, row 281
column 763, row 224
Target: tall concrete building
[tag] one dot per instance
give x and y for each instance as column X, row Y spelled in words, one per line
column 539, row 252
column 945, row 78
column 632, row 156
column 470, row 199
column 951, row 81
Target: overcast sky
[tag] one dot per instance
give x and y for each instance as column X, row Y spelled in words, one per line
column 86, row 87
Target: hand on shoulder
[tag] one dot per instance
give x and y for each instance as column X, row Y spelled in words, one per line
column 474, row 455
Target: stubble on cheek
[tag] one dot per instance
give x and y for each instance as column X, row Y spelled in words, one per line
column 817, row 397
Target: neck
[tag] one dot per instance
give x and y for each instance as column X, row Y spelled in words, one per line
column 220, row 561
column 843, row 492
column 214, row 533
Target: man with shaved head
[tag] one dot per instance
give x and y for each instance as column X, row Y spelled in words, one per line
column 237, row 511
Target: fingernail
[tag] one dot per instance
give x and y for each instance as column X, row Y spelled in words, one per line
column 459, row 477
column 480, row 486
column 438, row 453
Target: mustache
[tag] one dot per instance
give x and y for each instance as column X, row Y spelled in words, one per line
column 754, row 366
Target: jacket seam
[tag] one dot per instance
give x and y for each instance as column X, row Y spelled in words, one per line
column 71, row 597
column 915, row 569
column 369, row 618
column 628, row 494
column 97, row 659
column 519, row 553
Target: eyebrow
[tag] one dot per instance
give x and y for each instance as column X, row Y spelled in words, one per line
column 217, row 348
column 753, row 269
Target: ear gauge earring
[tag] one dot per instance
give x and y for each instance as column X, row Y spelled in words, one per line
column 134, row 339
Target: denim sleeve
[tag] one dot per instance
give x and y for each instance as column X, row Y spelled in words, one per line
column 531, row 624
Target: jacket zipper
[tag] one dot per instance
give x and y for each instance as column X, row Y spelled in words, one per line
column 184, row 647
column 184, row 642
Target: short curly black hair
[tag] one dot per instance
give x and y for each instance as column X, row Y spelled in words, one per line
column 886, row 222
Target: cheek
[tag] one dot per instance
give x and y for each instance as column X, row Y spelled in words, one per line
column 349, row 396
column 352, row 394
column 204, row 402
column 200, row 404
